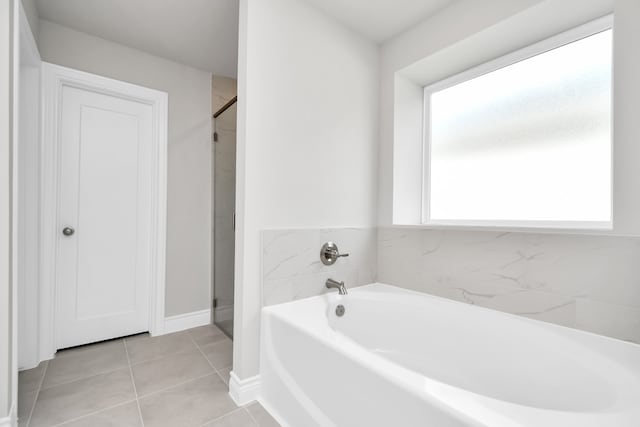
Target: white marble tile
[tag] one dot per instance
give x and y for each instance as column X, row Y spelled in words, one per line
column 308, row 286
column 288, row 253
column 538, row 305
column 415, row 258
column 603, row 268
column 550, row 277
column 572, row 280
column 277, row 291
column 291, row 261
column 617, row 321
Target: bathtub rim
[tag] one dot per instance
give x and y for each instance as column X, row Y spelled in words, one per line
column 326, row 335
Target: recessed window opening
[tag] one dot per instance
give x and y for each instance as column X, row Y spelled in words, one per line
column 526, row 139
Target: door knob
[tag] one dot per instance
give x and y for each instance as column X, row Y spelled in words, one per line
column 68, row 231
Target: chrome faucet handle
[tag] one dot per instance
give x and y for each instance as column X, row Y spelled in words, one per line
column 329, row 253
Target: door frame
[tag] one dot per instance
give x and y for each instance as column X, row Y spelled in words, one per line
column 26, row 170
column 54, row 79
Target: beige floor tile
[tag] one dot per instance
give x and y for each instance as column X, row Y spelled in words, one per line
column 86, row 361
column 91, row 385
column 239, row 418
column 190, row 404
column 101, row 345
column 224, row 374
column 72, row 400
column 25, row 404
column 143, row 347
column 168, row 371
column 263, row 418
column 220, row 354
column 208, row 334
column 126, row 415
column 30, row 379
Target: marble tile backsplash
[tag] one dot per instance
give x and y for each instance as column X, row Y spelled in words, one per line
column 586, row 282
column 291, row 266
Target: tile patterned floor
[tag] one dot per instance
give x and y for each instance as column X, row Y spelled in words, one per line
column 175, row 380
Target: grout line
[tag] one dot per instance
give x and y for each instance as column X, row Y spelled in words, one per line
column 93, row 413
column 107, row 371
column 157, row 357
column 208, row 374
column 207, row 359
column 221, row 416
column 239, row 408
column 135, row 390
column 122, row 368
column 137, row 397
column 86, row 378
column 33, row 406
column 246, row 408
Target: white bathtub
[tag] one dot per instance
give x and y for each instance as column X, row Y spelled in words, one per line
column 401, row 359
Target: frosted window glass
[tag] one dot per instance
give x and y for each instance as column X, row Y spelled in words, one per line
column 528, row 142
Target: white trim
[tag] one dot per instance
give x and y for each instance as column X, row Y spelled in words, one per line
column 24, row 51
column 244, row 391
column 28, row 218
column 541, row 224
column 54, row 78
column 180, row 322
column 14, row 114
column 577, row 33
column 567, row 37
column 30, row 46
column 10, row 420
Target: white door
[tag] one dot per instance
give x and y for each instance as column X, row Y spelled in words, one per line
column 103, row 264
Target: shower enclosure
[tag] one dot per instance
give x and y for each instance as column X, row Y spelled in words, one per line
column 224, row 187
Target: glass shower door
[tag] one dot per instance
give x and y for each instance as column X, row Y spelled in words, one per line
column 224, row 218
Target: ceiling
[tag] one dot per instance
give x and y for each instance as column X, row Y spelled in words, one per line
column 380, row 20
column 204, row 33
column 199, row 33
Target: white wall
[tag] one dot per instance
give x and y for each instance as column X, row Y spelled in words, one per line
column 27, row 196
column 447, row 27
column 307, row 135
column 7, row 375
column 585, row 281
column 31, row 10
column 189, row 157
column 469, row 33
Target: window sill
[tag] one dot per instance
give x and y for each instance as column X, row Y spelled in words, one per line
column 586, row 228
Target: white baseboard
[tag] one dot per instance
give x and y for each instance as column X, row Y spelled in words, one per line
column 244, row 391
column 10, row 420
column 187, row 321
column 31, row 364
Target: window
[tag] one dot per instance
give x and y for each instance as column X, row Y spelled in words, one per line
column 524, row 140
